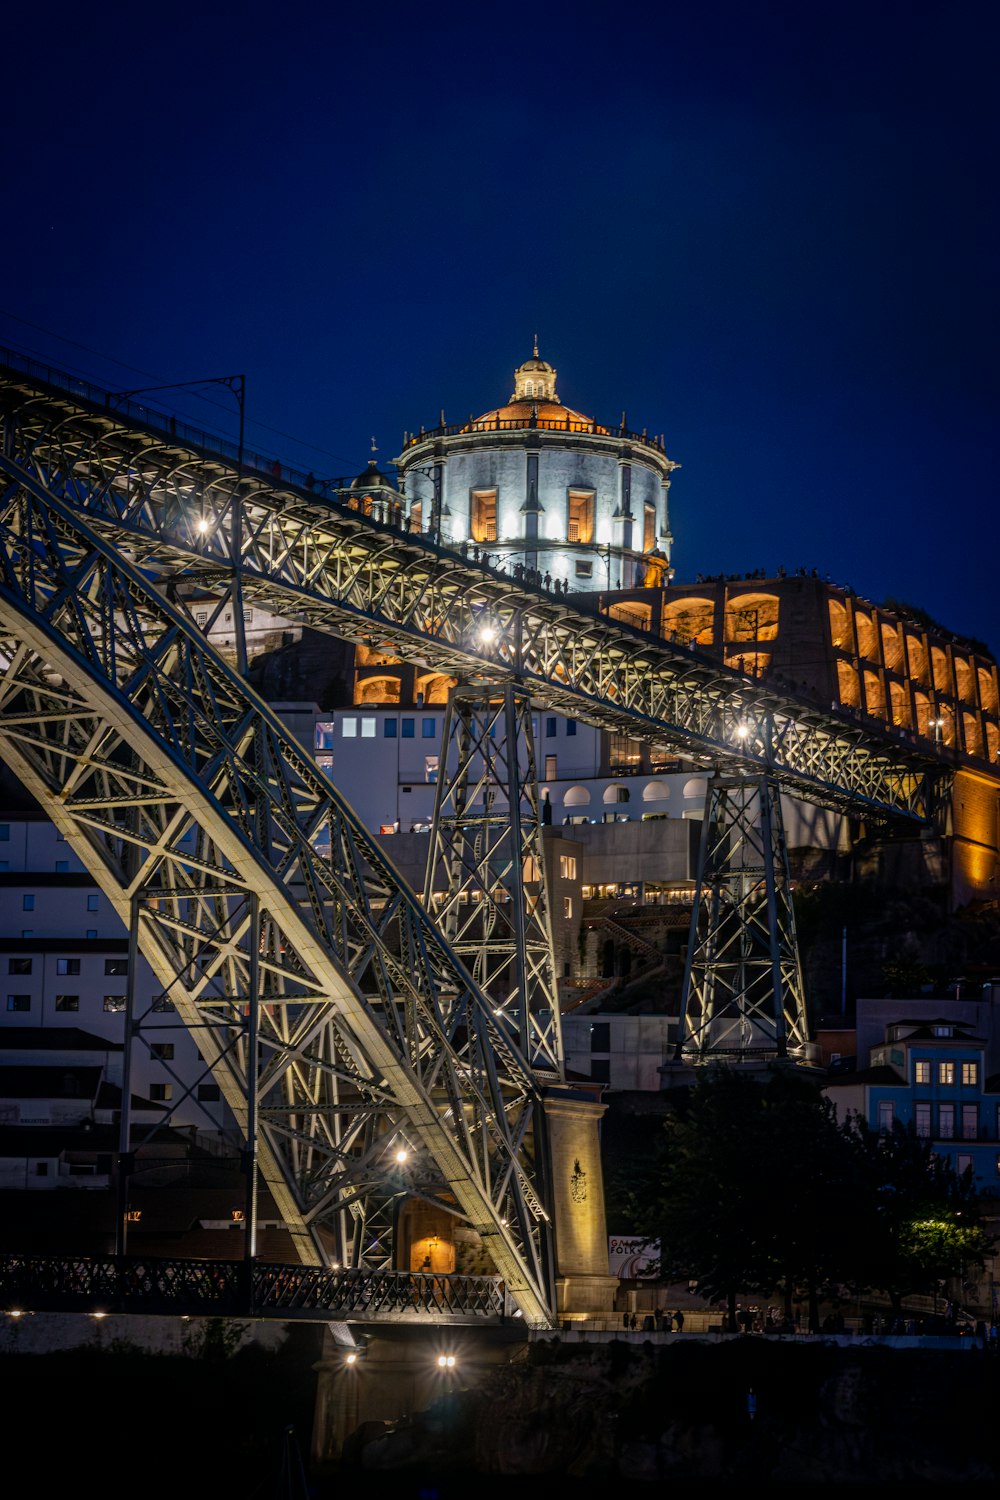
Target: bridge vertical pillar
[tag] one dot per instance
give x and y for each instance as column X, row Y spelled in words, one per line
column 485, row 881
column 743, row 991
column 584, row 1286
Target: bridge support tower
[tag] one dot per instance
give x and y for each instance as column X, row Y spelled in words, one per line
column 743, row 994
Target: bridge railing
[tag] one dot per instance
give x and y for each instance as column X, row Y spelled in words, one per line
column 242, row 1288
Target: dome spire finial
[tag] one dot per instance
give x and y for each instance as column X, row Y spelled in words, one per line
column 536, row 346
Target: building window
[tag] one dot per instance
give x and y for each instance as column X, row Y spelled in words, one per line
column 67, row 1002
column 886, row 1115
column 349, row 727
column 551, row 767
column 970, row 1073
column 62, row 866
column 946, row 1121
column 91, row 932
column 922, row 1072
column 93, row 903
column 324, row 735
column 409, row 726
column 116, row 966
column 67, row 966
column 163, row 1050
column 27, row 903
column 624, row 753
column 19, row 966
column 567, row 866
column 162, row 1093
column 367, row 728
column 431, row 768
column 580, row 521
column 922, row 1119
column 19, row 1002
column 649, row 528
column 208, row 1093
column 963, row 1163
column 584, row 569
column 114, row 1003
column 41, row 1169
column 571, row 726
column 484, row 515
column 4, row 832
column 600, row 1069
column 970, row 1122
column 389, row 727
column 428, row 728
column 567, row 907
column 550, row 727
column 946, row 1072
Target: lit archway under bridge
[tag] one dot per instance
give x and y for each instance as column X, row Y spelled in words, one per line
column 339, row 1025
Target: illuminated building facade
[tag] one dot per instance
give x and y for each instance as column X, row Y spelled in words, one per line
column 892, row 666
column 545, row 491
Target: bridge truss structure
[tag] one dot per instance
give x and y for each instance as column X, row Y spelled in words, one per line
column 336, row 1017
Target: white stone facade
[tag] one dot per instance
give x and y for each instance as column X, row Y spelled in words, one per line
column 535, row 485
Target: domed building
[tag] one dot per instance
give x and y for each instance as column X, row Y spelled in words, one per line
column 545, row 490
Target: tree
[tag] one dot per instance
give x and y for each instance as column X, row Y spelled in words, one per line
column 922, row 1221
column 749, row 1188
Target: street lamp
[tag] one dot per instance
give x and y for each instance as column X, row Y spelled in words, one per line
column 937, row 725
column 237, row 385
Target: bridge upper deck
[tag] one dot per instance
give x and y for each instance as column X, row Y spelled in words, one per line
column 178, row 503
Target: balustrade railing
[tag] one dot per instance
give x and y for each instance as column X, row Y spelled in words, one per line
column 207, row 1288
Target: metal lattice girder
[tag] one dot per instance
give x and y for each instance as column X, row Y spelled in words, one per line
column 264, row 907
column 485, row 879
column 171, row 507
column 743, row 991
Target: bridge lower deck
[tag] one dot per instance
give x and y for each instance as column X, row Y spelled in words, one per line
column 215, row 1288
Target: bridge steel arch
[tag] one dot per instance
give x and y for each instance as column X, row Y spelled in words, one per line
column 336, row 1019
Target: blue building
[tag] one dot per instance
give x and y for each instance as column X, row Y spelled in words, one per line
column 931, row 1073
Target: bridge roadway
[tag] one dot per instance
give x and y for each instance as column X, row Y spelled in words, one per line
column 177, row 504
column 246, row 1289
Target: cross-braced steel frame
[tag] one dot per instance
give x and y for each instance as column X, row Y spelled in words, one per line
column 485, row 873
column 337, row 1022
column 743, row 992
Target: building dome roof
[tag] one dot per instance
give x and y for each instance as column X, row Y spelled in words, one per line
column 530, row 413
column 370, row 478
column 536, row 364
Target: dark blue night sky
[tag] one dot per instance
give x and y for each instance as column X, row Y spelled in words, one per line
column 768, row 231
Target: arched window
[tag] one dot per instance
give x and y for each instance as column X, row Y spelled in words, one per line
column 577, row 796
column 616, row 794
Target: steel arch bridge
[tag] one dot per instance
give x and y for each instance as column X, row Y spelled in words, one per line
column 336, row 1018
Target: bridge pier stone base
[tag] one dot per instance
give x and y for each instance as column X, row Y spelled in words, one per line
column 584, row 1286
column 394, row 1376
